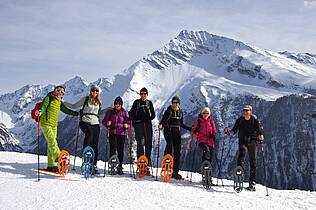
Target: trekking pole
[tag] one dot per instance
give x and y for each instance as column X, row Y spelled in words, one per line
column 76, row 147
column 220, row 163
column 38, row 142
column 131, row 168
column 106, row 148
column 264, row 168
column 158, row 145
column 192, row 164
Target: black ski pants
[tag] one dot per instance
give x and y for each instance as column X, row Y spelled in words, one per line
column 117, row 145
column 144, row 136
column 251, row 146
column 207, row 152
column 173, row 138
column 91, row 138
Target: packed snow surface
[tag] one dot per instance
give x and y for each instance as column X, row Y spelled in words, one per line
column 21, row 190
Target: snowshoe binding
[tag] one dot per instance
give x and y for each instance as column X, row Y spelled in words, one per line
column 142, row 166
column 63, row 163
column 167, row 167
column 206, row 170
column 87, row 168
column 238, row 179
column 113, row 164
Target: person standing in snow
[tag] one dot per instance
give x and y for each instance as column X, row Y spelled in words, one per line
column 249, row 132
column 205, row 131
column 171, row 122
column 117, row 121
column 89, row 119
column 141, row 114
column 50, row 108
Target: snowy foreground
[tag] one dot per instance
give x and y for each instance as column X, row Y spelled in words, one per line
column 21, row 190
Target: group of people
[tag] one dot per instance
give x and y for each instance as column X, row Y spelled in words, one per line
column 118, row 121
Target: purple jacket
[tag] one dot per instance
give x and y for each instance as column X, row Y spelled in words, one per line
column 117, row 120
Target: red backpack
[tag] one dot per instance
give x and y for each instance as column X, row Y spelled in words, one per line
column 36, row 108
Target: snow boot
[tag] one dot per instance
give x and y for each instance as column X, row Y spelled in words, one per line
column 252, row 186
column 52, row 169
column 177, row 176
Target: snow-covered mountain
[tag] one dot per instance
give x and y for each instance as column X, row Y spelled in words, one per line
column 205, row 69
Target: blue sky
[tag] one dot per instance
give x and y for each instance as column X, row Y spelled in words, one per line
column 45, row 42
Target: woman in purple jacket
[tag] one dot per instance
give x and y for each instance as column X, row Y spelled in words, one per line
column 117, row 121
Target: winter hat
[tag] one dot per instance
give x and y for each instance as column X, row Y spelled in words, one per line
column 247, row 107
column 206, row 109
column 176, row 99
column 118, row 100
column 144, row 90
column 95, row 87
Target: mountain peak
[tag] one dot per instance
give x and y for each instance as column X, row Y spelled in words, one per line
column 190, row 44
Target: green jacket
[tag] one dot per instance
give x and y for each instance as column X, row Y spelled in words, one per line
column 50, row 109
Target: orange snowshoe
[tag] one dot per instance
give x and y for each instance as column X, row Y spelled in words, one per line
column 63, row 163
column 142, row 165
column 167, row 167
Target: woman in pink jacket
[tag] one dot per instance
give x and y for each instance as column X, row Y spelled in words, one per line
column 205, row 131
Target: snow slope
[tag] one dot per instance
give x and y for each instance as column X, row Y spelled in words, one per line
column 20, row 190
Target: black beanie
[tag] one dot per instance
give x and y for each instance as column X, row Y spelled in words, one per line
column 176, row 98
column 59, row 86
column 143, row 90
column 118, row 100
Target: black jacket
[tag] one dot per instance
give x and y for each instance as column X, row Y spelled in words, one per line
column 142, row 111
column 248, row 129
column 172, row 118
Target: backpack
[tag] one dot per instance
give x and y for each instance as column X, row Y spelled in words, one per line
column 85, row 103
column 37, row 107
column 197, row 129
column 138, row 106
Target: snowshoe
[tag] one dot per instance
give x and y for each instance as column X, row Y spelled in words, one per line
column 63, row 163
column 167, row 167
column 113, row 164
column 238, row 179
column 251, row 187
column 87, row 167
column 206, row 170
column 142, row 166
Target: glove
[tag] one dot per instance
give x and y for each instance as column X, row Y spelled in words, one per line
column 227, row 131
column 260, row 139
column 38, row 113
column 212, row 137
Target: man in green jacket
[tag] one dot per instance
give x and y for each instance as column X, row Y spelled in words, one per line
column 50, row 108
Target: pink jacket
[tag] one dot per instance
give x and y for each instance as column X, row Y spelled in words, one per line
column 207, row 131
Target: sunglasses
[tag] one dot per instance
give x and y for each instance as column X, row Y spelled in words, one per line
column 246, row 110
column 143, row 93
column 60, row 90
column 175, row 102
column 205, row 113
column 94, row 90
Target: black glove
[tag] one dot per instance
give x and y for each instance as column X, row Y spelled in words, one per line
column 212, row 136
